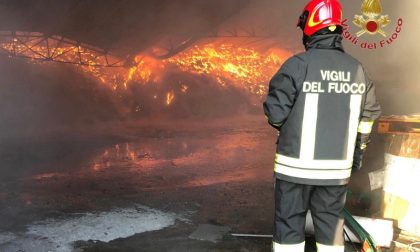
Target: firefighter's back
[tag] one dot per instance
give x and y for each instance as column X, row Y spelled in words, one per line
column 317, row 140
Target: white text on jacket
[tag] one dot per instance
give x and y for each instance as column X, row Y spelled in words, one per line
column 338, row 82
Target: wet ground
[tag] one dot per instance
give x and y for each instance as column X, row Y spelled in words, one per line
column 140, row 186
column 184, row 175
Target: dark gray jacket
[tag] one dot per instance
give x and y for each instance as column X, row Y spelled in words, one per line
column 324, row 105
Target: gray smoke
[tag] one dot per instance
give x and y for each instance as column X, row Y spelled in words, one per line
column 39, row 99
column 35, row 95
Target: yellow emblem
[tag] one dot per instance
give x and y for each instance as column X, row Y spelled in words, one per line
column 311, row 22
column 371, row 21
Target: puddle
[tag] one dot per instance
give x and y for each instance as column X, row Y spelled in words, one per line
column 58, row 234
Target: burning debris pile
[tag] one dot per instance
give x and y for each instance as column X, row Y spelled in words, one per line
column 221, row 70
column 244, row 68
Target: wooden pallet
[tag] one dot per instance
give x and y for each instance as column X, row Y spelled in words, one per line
column 399, row 125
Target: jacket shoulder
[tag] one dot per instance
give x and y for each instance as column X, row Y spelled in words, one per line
column 296, row 59
column 359, row 65
column 294, row 64
column 353, row 59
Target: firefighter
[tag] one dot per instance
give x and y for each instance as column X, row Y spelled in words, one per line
column 323, row 104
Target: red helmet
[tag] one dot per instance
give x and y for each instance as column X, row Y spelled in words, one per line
column 319, row 14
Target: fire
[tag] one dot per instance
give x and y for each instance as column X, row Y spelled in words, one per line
column 242, row 67
column 170, row 97
column 228, row 64
column 131, row 72
column 146, row 70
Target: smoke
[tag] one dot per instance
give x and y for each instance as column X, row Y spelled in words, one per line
column 39, row 99
column 33, row 96
column 392, row 68
column 203, row 98
column 126, row 26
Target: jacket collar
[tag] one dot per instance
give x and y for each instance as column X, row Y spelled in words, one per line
column 327, row 41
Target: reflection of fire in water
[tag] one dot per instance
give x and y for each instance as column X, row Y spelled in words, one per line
column 164, row 163
column 170, row 97
column 48, row 175
column 226, row 63
column 112, row 157
column 184, row 88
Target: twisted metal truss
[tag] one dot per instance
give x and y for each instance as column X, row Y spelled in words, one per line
column 38, row 46
column 42, row 47
column 178, row 43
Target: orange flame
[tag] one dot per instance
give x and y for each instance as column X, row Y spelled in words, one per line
column 226, row 63
column 241, row 67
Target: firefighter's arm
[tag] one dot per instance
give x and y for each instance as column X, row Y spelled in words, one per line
column 371, row 112
column 281, row 95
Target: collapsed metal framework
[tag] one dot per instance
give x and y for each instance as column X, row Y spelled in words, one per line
column 249, row 31
column 53, row 48
column 177, row 43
